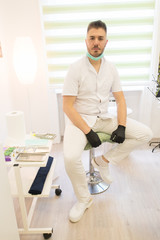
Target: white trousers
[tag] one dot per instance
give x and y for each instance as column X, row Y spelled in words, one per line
column 75, row 140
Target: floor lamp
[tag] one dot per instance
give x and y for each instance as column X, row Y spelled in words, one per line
column 25, row 64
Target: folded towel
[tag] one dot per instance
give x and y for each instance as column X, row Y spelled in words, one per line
column 38, row 183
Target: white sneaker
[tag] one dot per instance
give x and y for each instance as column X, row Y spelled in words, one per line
column 104, row 172
column 78, row 210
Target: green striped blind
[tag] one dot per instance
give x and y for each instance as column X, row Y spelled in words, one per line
column 129, row 32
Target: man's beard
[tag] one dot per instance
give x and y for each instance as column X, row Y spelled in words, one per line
column 96, row 54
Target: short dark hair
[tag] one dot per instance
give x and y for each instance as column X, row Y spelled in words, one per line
column 97, row 24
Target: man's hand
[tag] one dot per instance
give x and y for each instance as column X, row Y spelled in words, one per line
column 119, row 134
column 93, row 139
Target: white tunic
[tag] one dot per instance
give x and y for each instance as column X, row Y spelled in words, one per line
column 92, row 89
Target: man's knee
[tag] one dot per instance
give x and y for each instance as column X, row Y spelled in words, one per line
column 148, row 134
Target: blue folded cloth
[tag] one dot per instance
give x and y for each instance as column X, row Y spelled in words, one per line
column 38, row 183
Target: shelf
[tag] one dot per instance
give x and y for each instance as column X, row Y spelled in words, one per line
column 27, row 177
column 30, row 163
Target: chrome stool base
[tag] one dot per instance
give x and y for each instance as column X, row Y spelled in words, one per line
column 95, row 183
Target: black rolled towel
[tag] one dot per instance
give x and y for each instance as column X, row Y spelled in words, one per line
column 38, row 183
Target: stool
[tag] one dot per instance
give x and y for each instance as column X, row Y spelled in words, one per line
column 95, row 183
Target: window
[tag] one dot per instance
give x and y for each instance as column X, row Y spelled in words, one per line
column 129, row 32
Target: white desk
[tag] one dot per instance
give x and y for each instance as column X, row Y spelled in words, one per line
column 21, row 175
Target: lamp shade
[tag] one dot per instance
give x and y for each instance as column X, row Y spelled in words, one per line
column 25, row 60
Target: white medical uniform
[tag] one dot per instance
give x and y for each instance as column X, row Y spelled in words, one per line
column 92, row 91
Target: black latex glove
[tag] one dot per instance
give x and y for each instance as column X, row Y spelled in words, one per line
column 119, row 134
column 93, row 139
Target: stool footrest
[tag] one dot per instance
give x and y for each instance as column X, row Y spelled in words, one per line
column 95, row 183
column 94, row 178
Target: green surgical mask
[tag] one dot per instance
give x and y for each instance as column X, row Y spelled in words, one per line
column 94, row 58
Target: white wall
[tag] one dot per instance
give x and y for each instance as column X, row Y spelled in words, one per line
column 5, row 101
column 22, row 18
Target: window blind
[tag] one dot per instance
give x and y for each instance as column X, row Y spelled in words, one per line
column 129, row 33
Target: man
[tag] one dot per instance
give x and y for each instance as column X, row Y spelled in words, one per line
column 86, row 94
